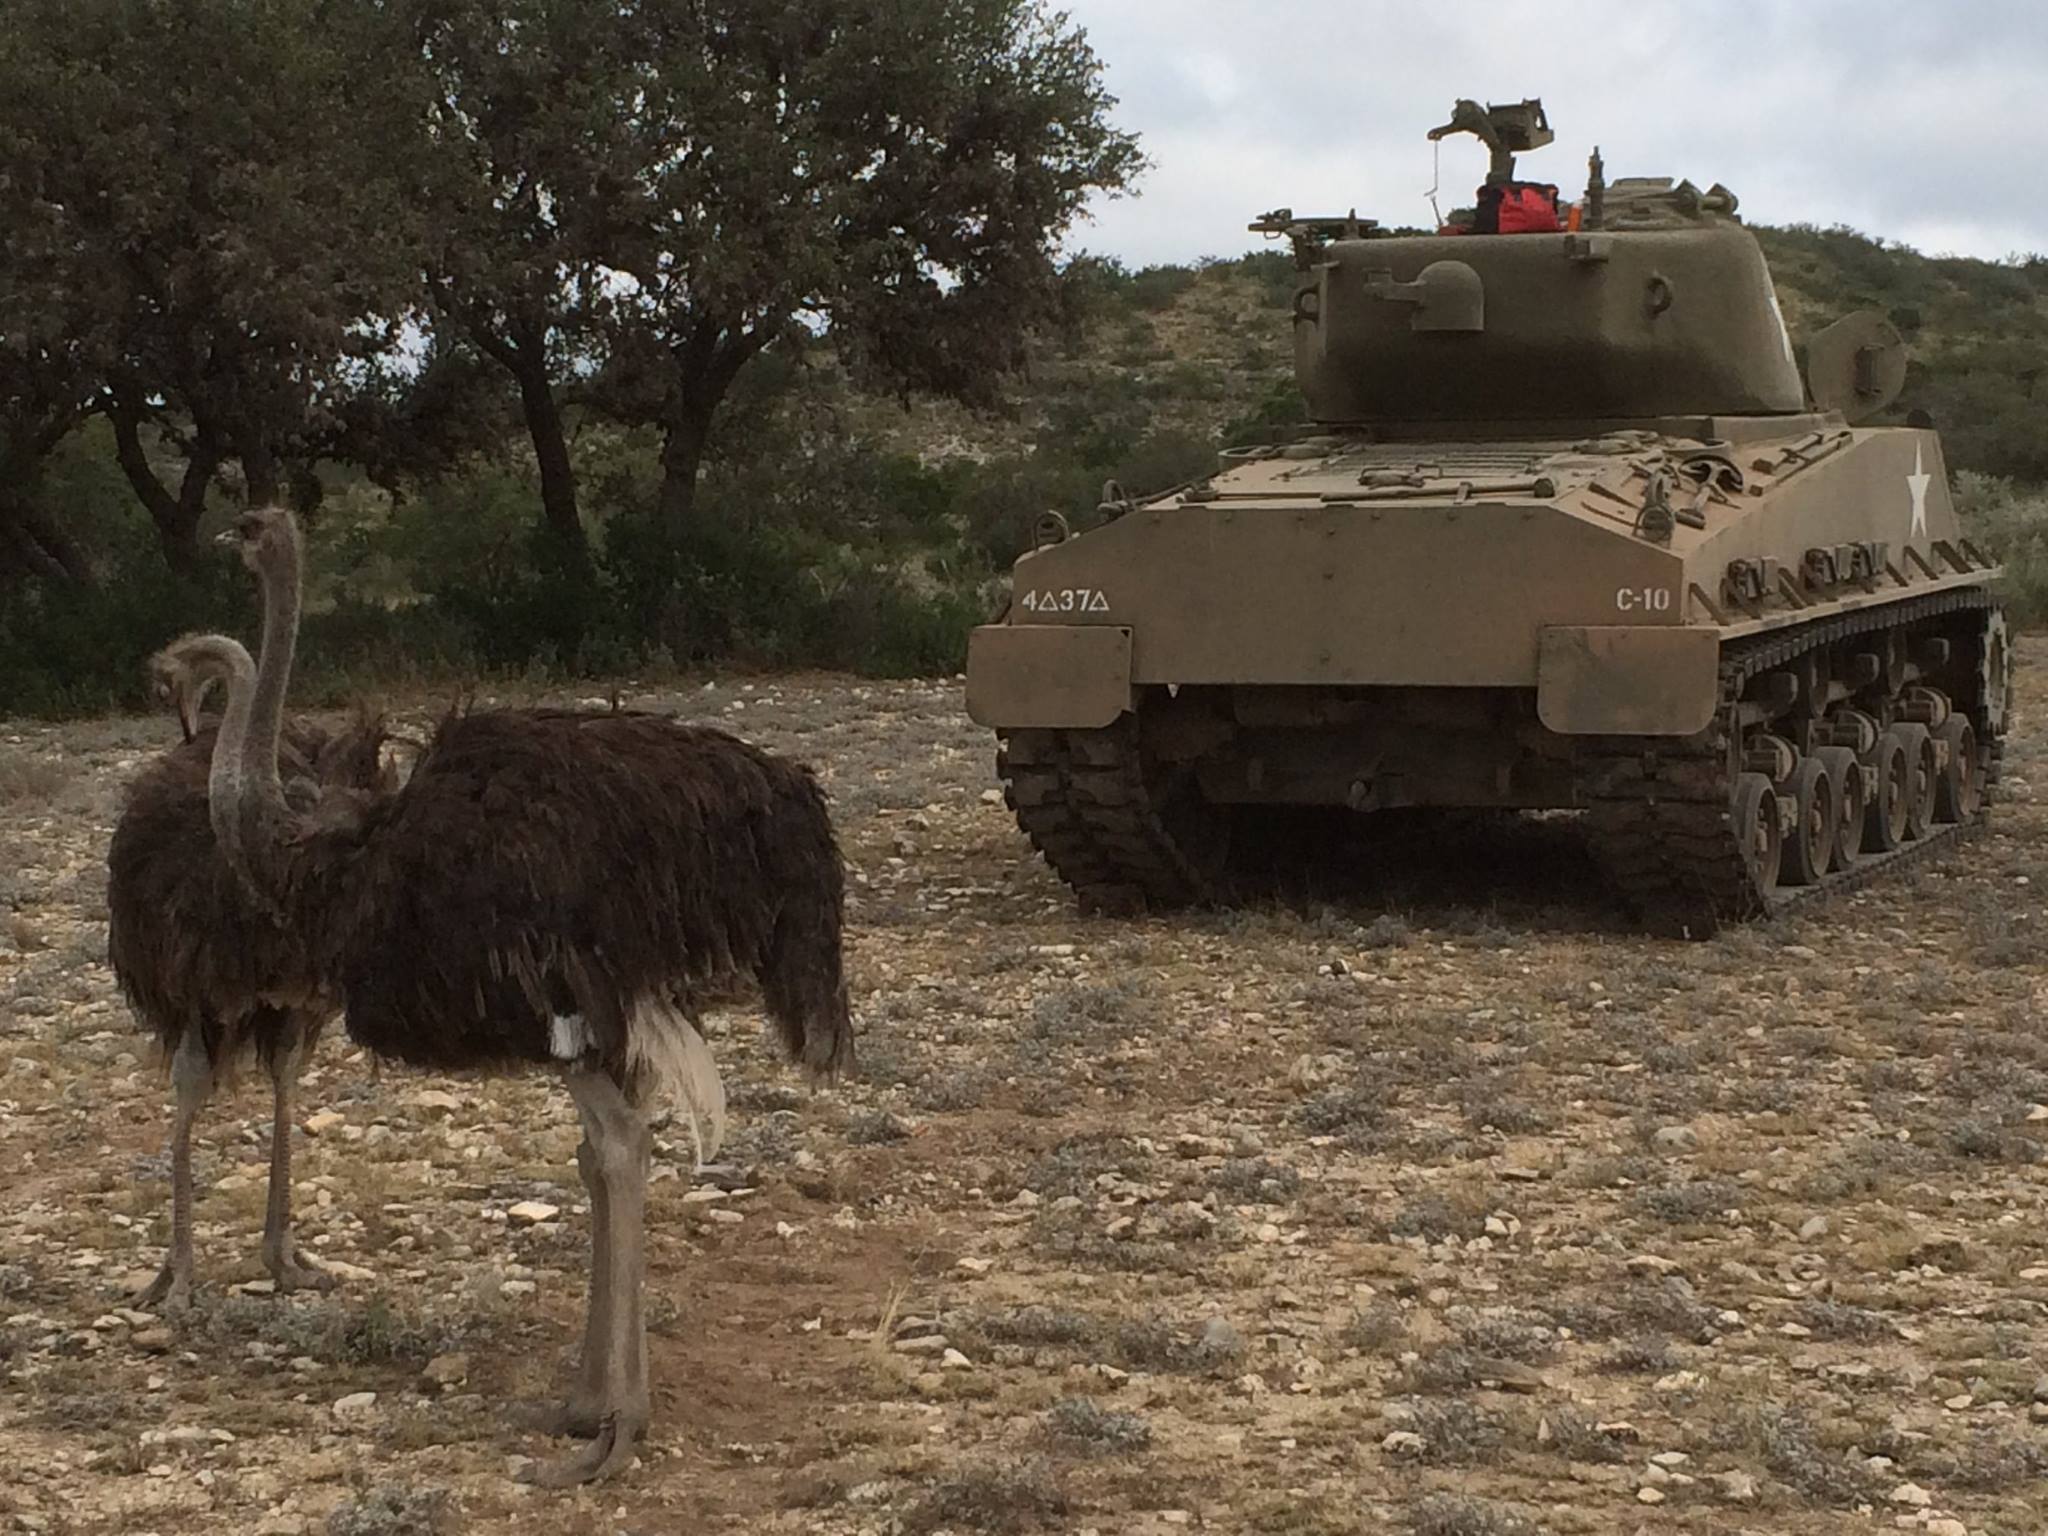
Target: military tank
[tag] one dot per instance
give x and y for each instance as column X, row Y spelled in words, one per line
column 1570, row 532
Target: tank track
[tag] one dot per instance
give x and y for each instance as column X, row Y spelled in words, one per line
column 1081, row 798
column 1659, row 809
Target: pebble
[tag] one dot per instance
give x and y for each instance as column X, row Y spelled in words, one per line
column 320, row 1123
column 1737, row 1487
column 1913, row 1494
column 1946, row 1526
column 924, row 1344
column 356, row 1405
column 1676, row 1138
column 1404, row 1442
column 445, row 1371
column 1649, row 1496
column 1813, row 1227
column 530, row 1213
column 953, row 1360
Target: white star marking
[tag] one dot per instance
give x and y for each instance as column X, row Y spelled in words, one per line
column 1917, row 482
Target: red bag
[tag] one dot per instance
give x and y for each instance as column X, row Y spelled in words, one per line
column 1519, row 208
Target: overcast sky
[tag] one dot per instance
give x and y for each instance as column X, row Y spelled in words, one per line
column 1923, row 121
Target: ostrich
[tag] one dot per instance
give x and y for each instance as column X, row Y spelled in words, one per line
column 551, row 889
column 209, row 975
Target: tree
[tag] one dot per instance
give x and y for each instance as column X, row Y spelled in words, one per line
column 235, row 180
column 54, row 340
column 532, row 123
column 895, row 175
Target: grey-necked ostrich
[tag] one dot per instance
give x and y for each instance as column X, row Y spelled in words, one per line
column 211, row 976
column 551, row 889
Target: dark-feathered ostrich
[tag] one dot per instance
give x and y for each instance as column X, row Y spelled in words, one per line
column 212, row 977
column 553, row 889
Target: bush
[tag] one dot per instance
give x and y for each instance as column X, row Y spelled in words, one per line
column 2012, row 525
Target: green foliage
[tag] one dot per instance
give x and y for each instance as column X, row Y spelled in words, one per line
column 2011, row 523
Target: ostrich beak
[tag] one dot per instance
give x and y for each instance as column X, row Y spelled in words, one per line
column 188, row 713
column 225, row 538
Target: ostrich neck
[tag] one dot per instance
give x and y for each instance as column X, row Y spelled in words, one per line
column 245, row 791
column 226, row 783
column 273, row 673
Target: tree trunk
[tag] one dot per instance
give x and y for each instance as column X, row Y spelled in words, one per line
column 551, row 451
column 706, row 365
column 35, row 544
column 176, row 517
column 684, row 437
column 261, row 473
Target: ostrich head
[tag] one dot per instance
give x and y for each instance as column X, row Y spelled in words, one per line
column 182, row 672
column 180, row 676
column 267, row 539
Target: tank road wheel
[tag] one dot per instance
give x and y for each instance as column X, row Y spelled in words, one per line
column 1845, row 778
column 1810, row 848
column 1959, row 792
column 1923, row 778
column 1884, row 825
column 1756, row 823
column 1994, row 672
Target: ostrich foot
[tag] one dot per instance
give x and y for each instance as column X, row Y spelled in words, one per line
column 578, row 1419
column 293, row 1273
column 610, row 1452
column 171, row 1290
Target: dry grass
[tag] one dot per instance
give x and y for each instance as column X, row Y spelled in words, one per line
column 1204, row 1217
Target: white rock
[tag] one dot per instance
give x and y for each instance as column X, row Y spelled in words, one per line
column 1737, row 1487
column 530, row 1213
column 356, row 1405
column 1404, row 1442
column 1649, row 1496
column 1913, row 1494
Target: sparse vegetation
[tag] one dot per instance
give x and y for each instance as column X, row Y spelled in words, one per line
column 391, row 1509
column 1096, row 1430
column 1001, row 1499
column 1162, row 1255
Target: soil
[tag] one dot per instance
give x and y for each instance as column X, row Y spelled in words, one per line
column 1445, row 1203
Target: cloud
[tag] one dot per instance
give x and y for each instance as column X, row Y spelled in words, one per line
column 1907, row 120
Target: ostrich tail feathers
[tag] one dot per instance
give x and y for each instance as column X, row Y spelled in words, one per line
column 664, row 1048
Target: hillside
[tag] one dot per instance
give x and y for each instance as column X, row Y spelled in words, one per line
column 1178, row 352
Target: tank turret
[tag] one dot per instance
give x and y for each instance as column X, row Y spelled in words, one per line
column 1657, row 305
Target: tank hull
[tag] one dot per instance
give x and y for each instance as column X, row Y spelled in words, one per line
column 1663, row 624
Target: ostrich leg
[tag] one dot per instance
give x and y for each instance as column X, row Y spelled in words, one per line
column 614, row 1365
column 583, row 1414
column 192, row 1078
column 280, row 1255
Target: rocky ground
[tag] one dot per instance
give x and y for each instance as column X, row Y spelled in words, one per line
column 1455, row 1208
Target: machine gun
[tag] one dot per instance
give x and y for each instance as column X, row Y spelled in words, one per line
column 1505, row 131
